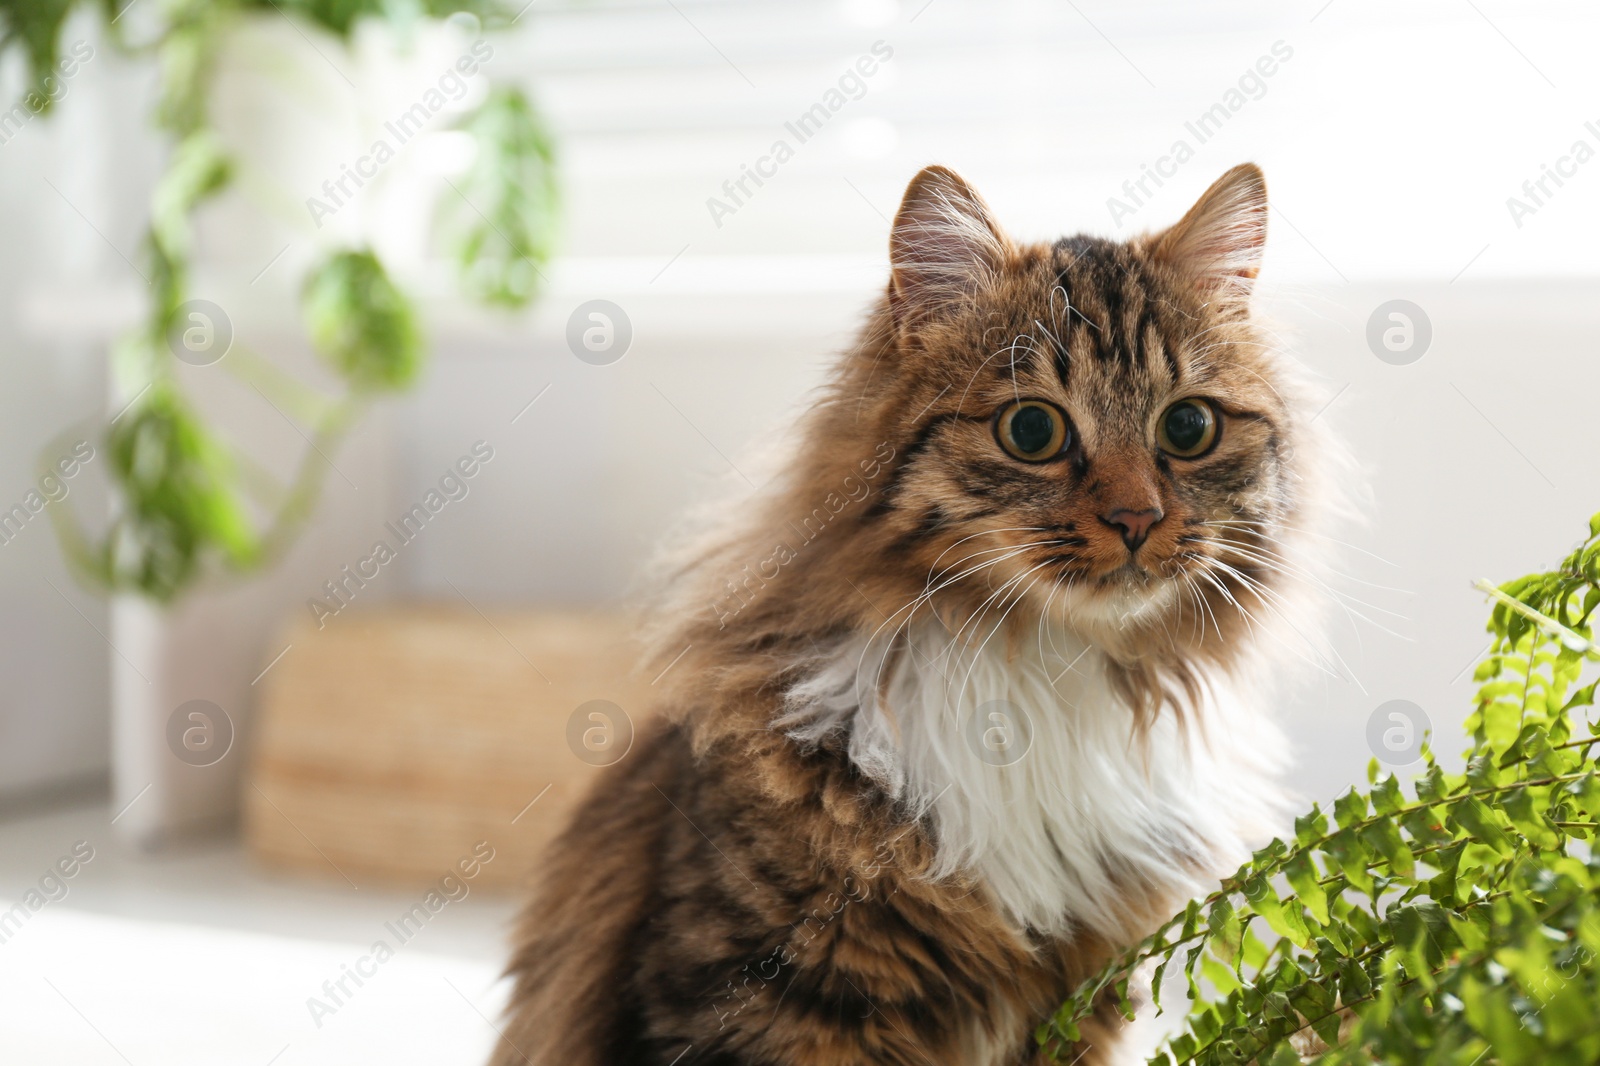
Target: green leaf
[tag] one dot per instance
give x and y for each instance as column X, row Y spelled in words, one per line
column 1584, row 697
column 1350, row 809
column 1227, row 929
column 1310, row 827
column 1351, row 857
column 1386, row 797
column 1431, row 786
column 1252, row 950
column 1327, row 1027
column 340, row 17
column 1303, row 878
column 36, row 25
column 1518, row 806
column 199, row 169
column 361, row 323
column 1354, row 983
column 180, row 503
column 1417, row 929
column 1191, row 920
column 1384, row 838
column 1284, row 920
column 1473, row 817
column 1282, row 1055
column 506, row 206
column 1156, row 979
column 1189, row 960
column 1220, row 976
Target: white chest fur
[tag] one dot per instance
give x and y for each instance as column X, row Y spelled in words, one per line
column 1034, row 777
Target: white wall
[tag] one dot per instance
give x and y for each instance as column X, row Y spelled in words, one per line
column 1391, row 138
column 63, row 283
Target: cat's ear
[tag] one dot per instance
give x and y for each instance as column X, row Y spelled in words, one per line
column 1220, row 241
column 942, row 248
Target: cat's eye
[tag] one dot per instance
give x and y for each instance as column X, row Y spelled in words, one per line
column 1188, row 428
column 1032, row 430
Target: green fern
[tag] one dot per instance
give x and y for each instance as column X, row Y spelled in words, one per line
column 1452, row 920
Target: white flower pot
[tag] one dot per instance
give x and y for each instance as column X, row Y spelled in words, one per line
column 186, row 678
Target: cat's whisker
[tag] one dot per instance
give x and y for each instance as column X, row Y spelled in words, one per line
column 1261, row 328
column 943, row 582
column 996, row 628
column 984, row 533
column 1267, row 559
column 1276, row 562
column 1196, row 629
column 1271, row 561
column 1053, row 542
column 1264, row 591
column 1338, row 597
column 1211, row 610
column 1042, row 626
column 1271, row 543
column 1010, row 348
column 921, row 599
column 1268, row 630
column 1310, row 533
column 1012, row 552
column 976, row 618
column 927, row 595
column 1208, row 578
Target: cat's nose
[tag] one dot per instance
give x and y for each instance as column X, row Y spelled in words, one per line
column 1135, row 525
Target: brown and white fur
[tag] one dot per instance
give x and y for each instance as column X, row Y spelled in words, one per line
column 819, row 855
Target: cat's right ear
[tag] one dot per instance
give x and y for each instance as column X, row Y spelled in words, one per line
column 943, row 247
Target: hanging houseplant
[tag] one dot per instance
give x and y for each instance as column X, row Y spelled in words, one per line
column 195, row 515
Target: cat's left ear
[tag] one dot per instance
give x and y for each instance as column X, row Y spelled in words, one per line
column 1220, row 241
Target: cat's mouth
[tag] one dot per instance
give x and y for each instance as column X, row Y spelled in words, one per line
column 1125, row 588
column 1119, row 595
column 1138, row 570
column 1132, row 572
column 1135, row 579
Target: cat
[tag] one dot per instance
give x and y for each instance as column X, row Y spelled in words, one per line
column 971, row 695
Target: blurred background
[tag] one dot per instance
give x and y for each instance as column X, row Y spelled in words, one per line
column 243, row 345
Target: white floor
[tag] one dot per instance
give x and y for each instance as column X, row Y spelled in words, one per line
column 200, row 957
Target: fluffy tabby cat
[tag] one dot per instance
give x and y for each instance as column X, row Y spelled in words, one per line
column 971, row 695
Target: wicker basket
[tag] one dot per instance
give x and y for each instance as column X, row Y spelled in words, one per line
column 390, row 743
